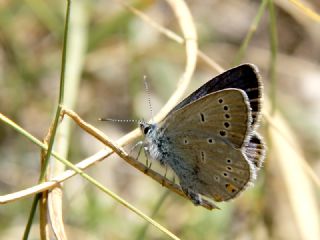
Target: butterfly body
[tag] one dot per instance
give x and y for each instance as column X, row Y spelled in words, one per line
column 208, row 139
column 161, row 148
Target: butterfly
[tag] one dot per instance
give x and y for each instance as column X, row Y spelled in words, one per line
column 209, row 139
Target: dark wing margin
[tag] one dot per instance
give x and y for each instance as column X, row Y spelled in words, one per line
column 255, row 150
column 245, row 77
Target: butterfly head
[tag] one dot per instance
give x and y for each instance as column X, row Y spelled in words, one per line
column 146, row 128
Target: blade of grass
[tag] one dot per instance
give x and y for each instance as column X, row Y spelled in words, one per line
column 250, row 33
column 114, row 147
column 76, row 51
column 307, row 11
column 89, row 178
column 301, row 194
column 171, row 35
column 142, row 232
column 101, row 32
column 274, row 50
column 53, row 129
column 185, row 24
column 188, row 28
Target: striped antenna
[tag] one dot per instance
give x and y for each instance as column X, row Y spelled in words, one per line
column 134, row 120
column 119, row 120
column 149, row 96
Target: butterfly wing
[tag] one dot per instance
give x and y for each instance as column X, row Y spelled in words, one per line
column 245, row 77
column 222, row 115
column 255, row 150
column 216, row 170
column 224, row 172
column 207, row 135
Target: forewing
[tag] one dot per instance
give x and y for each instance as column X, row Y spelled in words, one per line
column 245, row 77
column 223, row 115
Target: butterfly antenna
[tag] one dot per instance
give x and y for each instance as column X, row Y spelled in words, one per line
column 119, row 120
column 149, row 96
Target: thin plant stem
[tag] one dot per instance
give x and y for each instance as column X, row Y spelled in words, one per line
column 273, row 59
column 250, row 33
column 89, row 178
column 307, row 11
column 53, row 130
column 142, row 233
column 114, row 147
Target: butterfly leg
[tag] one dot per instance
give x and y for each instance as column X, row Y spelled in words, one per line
column 174, row 179
column 147, row 162
column 138, row 144
column 165, row 176
column 148, row 167
column 146, row 151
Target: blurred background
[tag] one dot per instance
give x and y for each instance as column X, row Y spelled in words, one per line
column 116, row 49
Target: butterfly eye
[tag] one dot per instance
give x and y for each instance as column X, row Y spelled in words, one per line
column 146, row 130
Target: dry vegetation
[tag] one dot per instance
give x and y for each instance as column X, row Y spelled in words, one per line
column 110, row 47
